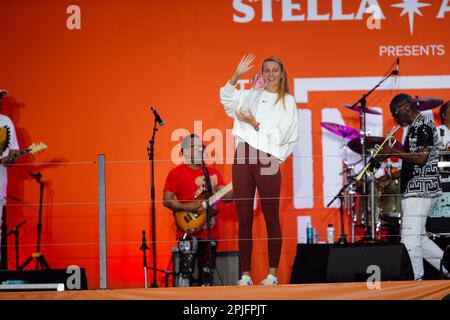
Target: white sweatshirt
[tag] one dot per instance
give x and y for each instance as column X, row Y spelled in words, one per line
column 278, row 123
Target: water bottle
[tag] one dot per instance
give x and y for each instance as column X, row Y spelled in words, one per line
column 309, row 233
column 316, row 236
column 330, row 233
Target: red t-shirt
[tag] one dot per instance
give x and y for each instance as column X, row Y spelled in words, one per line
column 187, row 183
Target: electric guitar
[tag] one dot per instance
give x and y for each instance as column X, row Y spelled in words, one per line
column 192, row 223
column 34, row 148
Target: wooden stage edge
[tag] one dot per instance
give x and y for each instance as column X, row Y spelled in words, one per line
column 392, row 290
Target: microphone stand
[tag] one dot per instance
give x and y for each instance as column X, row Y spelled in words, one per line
column 151, row 156
column 208, row 220
column 38, row 255
column 4, row 238
column 363, row 103
column 144, row 248
column 15, row 232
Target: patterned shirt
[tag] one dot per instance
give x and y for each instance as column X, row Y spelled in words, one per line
column 416, row 180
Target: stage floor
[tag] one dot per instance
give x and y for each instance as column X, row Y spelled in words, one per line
column 392, row 290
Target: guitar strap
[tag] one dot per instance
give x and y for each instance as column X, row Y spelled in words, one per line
column 5, row 138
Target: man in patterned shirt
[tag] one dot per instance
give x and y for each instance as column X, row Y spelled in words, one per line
column 420, row 185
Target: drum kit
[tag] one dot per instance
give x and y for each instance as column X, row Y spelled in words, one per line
column 371, row 206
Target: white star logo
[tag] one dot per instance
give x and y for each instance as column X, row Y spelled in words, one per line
column 410, row 7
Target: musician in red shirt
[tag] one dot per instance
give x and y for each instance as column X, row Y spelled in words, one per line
column 183, row 185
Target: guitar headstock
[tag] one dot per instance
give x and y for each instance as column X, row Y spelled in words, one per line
column 37, row 147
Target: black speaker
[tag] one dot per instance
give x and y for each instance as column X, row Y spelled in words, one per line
column 65, row 276
column 321, row 263
column 225, row 274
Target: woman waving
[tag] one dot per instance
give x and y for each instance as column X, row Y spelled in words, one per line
column 266, row 132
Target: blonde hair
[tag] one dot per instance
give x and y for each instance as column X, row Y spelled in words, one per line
column 283, row 85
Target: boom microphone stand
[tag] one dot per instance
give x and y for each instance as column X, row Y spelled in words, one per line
column 151, row 157
column 38, row 255
column 5, row 234
column 15, row 232
column 370, row 234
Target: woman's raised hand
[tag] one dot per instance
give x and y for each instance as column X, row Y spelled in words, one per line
column 245, row 64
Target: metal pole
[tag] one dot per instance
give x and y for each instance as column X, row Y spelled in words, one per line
column 372, row 204
column 352, row 214
column 102, row 219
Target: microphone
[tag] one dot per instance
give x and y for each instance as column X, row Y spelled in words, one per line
column 397, row 64
column 157, row 117
column 395, row 72
column 3, row 93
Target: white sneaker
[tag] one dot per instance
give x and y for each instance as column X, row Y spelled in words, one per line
column 245, row 281
column 270, row 281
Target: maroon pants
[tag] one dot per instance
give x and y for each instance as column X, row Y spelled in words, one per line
column 255, row 169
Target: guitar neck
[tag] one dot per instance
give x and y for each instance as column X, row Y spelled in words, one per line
column 23, row 152
column 219, row 194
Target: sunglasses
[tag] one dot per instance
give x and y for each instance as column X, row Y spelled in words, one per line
column 397, row 112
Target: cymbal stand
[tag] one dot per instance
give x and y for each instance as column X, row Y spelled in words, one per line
column 363, row 136
column 350, row 197
column 347, row 173
column 350, row 191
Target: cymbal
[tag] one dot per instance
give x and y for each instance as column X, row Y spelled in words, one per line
column 355, row 144
column 428, row 103
column 340, row 130
column 359, row 109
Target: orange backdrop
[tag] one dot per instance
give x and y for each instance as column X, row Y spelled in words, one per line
column 89, row 91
